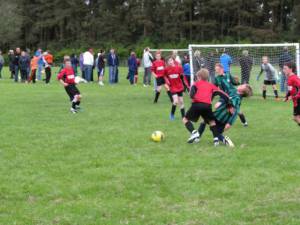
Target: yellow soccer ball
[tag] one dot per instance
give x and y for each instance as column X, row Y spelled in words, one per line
column 157, row 136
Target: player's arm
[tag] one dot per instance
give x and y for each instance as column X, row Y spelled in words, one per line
column 193, row 91
column 221, row 94
column 260, row 73
column 60, row 78
column 153, row 70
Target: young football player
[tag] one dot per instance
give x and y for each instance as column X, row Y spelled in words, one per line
column 174, row 79
column 289, row 70
column 67, row 79
column 158, row 71
column 225, row 115
column 202, row 93
column 270, row 77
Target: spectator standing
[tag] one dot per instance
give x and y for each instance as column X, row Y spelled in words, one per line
column 1, row 64
column 113, row 63
column 16, row 63
column 24, row 63
column 88, row 63
column 101, row 66
column 11, row 57
column 74, row 62
column 246, row 63
column 81, row 65
column 132, row 67
column 226, row 61
column 48, row 62
column 40, row 64
column 211, row 62
column 284, row 58
column 147, row 62
column 198, row 62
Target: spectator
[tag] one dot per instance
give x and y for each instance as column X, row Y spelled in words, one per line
column 147, row 62
column 1, row 63
column 101, row 66
column 198, row 62
column 16, row 63
column 11, row 57
column 284, row 58
column 226, row 61
column 113, row 63
column 187, row 71
column 132, row 67
column 246, row 63
column 24, row 63
column 74, row 62
column 88, row 63
column 211, row 62
column 136, row 76
column 81, row 65
column 34, row 66
column 48, row 62
column 40, row 64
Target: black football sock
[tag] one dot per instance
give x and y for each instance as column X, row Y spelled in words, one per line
column 78, row 103
column 202, row 128
column 74, row 105
column 242, row 118
column 173, row 109
column 276, row 93
column 216, row 134
column 170, row 96
column 157, row 93
column 264, row 94
column 182, row 110
column 189, row 126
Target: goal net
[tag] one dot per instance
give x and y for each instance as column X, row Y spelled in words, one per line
column 245, row 60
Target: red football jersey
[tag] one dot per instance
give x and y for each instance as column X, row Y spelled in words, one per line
column 158, row 67
column 204, row 92
column 294, row 88
column 173, row 78
column 67, row 75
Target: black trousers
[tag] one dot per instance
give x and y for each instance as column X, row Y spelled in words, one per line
column 48, row 74
column 24, row 75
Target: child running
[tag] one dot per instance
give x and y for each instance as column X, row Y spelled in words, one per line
column 202, row 93
column 289, row 70
column 173, row 78
column 270, row 77
column 67, row 79
column 158, row 71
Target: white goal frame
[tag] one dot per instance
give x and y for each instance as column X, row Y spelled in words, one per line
column 296, row 45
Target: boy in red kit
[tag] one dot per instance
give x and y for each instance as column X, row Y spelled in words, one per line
column 202, row 93
column 173, row 78
column 289, row 70
column 158, row 71
column 67, row 79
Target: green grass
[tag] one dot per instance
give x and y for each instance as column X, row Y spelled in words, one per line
column 99, row 166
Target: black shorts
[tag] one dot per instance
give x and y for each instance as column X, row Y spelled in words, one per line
column 297, row 109
column 200, row 109
column 270, row 82
column 72, row 90
column 160, row 81
column 179, row 94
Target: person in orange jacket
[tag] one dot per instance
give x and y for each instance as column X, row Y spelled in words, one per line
column 34, row 67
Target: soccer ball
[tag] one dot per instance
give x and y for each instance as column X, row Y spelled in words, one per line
column 157, row 136
column 79, row 79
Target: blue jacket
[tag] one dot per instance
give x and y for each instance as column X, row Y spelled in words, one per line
column 187, row 69
column 226, row 60
column 24, row 62
column 112, row 61
column 132, row 64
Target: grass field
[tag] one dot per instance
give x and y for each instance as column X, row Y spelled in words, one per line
column 99, row 166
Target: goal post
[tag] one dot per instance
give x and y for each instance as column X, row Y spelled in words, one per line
column 256, row 51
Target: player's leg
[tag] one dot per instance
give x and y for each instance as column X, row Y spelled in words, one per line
column 174, row 105
column 168, row 92
column 264, row 91
column 181, row 104
column 192, row 114
column 157, row 93
column 274, row 86
column 243, row 119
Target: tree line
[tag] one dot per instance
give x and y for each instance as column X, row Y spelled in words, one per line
column 58, row 24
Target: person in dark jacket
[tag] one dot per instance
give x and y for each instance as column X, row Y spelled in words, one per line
column 132, row 67
column 24, row 64
column 210, row 64
column 75, row 63
column 246, row 63
column 1, row 63
column 284, row 58
column 100, row 63
column 113, row 63
column 16, row 63
column 11, row 57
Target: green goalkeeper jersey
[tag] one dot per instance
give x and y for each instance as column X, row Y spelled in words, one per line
column 226, row 83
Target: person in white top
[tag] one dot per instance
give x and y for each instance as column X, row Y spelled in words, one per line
column 88, row 63
column 147, row 62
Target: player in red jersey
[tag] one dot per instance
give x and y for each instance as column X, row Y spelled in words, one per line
column 202, row 93
column 174, row 79
column 67, row 79
column 158, row 71
column 293, row 93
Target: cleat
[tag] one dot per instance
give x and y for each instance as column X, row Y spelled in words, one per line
column 74, row 111
column 245, row 124
column 172, row 117
column 195, row 137
column 228, row 142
